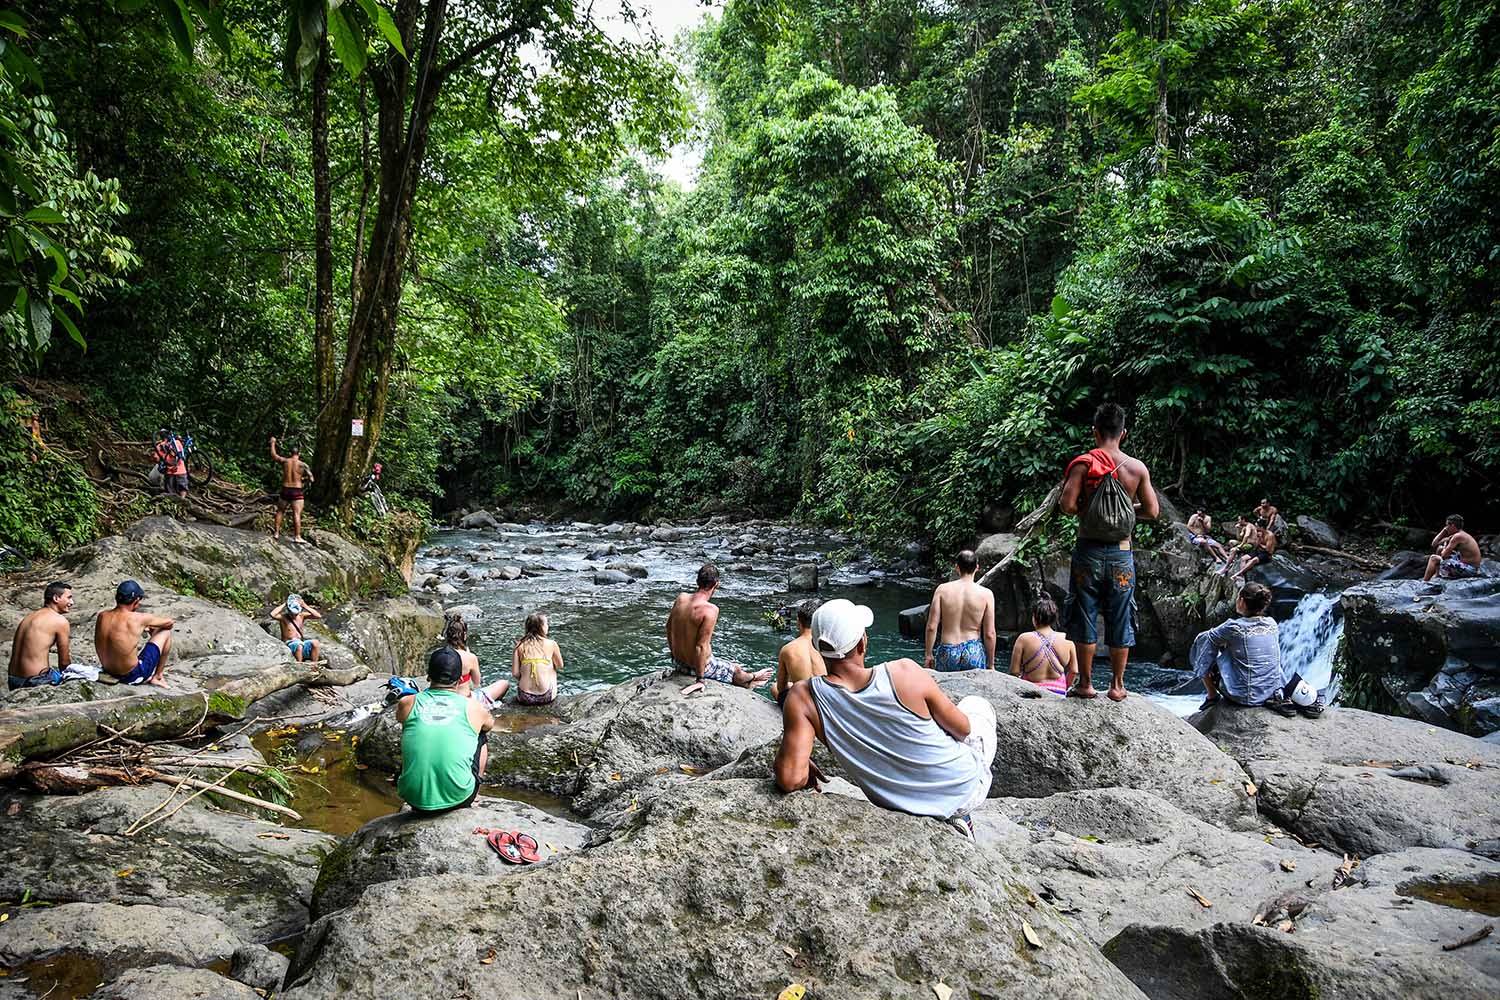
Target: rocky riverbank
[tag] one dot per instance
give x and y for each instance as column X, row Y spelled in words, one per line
column 1124, row 852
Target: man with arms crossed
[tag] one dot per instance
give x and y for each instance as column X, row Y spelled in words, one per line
column 690, row 633
column 1103, row 572
column 1457, row 553
column 891, row 728
column 294, row 472
column 962, row 615
column 797, row 660
column 31, row 649
column 118, row 630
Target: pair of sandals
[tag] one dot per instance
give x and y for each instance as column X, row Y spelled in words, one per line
column 1287, row 708
column 515, row 847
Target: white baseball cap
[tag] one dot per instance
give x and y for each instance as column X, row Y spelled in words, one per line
column 838, row 625
column 1303, row 693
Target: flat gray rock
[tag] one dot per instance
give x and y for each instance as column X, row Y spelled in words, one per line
column 117, row 937
column 172, row 982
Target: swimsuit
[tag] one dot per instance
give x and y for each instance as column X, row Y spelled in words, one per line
column 290, row 494
column 524, row 697
column 50, row 676
column 1057, row 685
column 306, row 646
column 966, row 655
column 1454, row 568
column 715, row 670
column 145, row 666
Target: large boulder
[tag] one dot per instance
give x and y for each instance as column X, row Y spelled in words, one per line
column 115, row 937
column 393, row 635
column 1049, row 744
column 1120, row 856
column 479, row 519
column 1366, row 784
column 254, row 876
column 1379, row 938
column 1317, row 532
column 803, row 577
column 406, row 845
column 1431, row 650
column 720, row 890
column 173, row 982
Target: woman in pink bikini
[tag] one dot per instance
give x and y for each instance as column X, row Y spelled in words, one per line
column 1042, row 656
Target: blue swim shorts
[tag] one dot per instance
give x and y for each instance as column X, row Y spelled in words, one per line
column 51, row 676
column 145, row 666
column 966, row 655
column 306, row 646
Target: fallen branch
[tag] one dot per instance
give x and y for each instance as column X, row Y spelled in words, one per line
column 138, row 826
column 1028, row 524
column 1360, row 561
column 1474, row 938
column 228, row 793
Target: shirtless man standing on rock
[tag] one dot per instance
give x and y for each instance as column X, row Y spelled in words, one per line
column 962, row 615
column 293, row 473
column 690, row 633
column 1457, row 554
column 31, row 649
column 119, row 629
column 798, row 660
column 1103, row 565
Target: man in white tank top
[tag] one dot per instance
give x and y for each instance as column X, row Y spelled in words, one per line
column 891, row 728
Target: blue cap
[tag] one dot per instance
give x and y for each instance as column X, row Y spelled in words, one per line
column 128, row 591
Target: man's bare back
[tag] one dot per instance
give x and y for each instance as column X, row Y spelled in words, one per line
column 1133, row 475
column 690, row 630
column 961, row 606
column 797, row 661
column 117, row 632
column 31, row 650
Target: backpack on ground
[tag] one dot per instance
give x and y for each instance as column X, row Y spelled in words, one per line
column 1110, row 515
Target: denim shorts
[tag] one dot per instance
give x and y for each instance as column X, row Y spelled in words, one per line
column 1103, row 582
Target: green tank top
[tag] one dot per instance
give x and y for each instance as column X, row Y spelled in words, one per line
column 438, row 743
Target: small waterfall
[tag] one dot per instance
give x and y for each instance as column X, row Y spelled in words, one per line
column 1309, row 639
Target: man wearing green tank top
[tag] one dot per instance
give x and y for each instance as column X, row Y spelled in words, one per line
column 443, row 750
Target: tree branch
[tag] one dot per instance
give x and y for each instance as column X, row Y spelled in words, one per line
column 482, row 46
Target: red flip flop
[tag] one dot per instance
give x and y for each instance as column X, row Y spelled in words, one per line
column 527, row 845
column 505, row 845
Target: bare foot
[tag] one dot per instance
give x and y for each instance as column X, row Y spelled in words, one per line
column 157, row 682
column 1083, row 692
column 1116, row 693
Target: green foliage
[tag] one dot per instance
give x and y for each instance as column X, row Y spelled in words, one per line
column 47, row 502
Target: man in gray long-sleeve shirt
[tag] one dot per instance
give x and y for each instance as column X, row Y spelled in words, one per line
column 1240, row 660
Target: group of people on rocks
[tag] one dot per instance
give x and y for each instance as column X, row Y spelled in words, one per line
column 1256, row 538
column 118, row 633
column 170, row 452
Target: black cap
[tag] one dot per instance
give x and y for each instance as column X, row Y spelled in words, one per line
column 445, row 666
column 128, row 591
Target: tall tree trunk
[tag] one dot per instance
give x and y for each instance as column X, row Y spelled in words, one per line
column 324, row 376
column 1163, row 134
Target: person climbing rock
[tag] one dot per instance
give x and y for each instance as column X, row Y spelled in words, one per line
column 1108, row 490
column 37, row 635
column 690, row 634
column 893, row 731
column 962, row 616
column 443, row 749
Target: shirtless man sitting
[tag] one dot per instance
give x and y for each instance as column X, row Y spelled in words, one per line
column 690, row 633
column 118, row 630
column 293, row 615
column 1457, row 556
column 962, row 616
column 1200, row 527
column 38, row 633
column 798, row 660
column 1265, row 548
column 294, row 472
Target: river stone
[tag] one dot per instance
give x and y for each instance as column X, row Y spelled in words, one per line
column 258, row 967
column 1317, row 532
column 668, row 535
column 607, row 577
column 1378, row 938
column 1121, row 856
column 602, row 552
column 803, row 577
column 1402, row 634
column 393, row 634
column 405, row 845
column 173, row 982
column 637, row 571
column 506, row 573
column 445, row 590
column 700, row 896
column 202, row 860
column 1049, row 744
column 532, row 550
column 993, row 548
column 472, row 614
column 118, row 937
column 479, row 519
column 1364, row 783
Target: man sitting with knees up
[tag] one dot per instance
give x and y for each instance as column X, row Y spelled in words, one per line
column 891, row 728
column 1240, row 660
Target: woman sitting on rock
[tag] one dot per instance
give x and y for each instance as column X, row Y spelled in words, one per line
column 1042, row 656
column 471, row 684
column 1240, row 660
column 535, row 663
